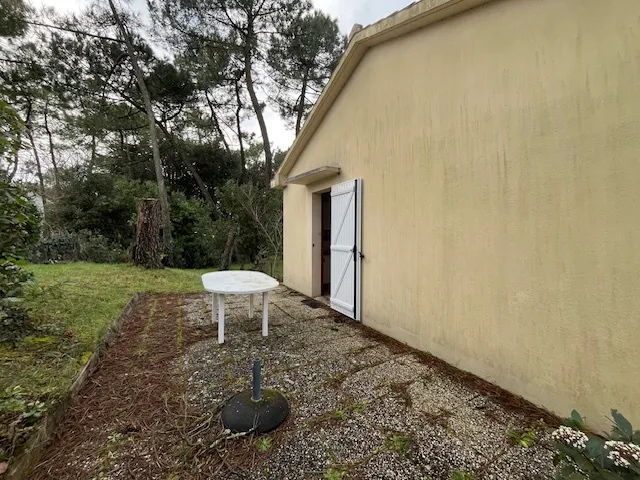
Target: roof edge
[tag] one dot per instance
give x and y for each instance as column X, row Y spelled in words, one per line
column 414, row 17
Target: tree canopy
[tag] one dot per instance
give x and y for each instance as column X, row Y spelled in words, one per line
column 104, row 108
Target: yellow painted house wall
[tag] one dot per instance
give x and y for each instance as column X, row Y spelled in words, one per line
column 500, row 157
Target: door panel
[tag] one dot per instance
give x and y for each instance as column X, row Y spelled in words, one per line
column 345, row 248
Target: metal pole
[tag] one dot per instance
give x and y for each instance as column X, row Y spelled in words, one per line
column 256, row 395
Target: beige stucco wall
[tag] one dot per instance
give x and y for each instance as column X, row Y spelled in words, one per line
column 500, row 157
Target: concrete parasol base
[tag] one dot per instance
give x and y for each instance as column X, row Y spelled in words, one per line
column 242, row 414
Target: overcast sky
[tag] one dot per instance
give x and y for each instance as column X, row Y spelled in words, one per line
column 347, row 12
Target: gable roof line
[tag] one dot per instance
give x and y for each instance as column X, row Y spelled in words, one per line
column 415, row 16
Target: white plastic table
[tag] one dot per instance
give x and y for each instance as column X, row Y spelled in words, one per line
column 238, row 282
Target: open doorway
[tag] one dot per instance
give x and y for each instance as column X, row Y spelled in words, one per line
column 325, row 249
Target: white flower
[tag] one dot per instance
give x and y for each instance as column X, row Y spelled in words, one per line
column 623, row 453
column 571, row 437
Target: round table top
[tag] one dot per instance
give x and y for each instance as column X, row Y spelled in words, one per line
column 238, row 282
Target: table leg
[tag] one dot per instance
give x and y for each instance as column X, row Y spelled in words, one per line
column 265, row 314
column 220, row 318
column 250, row 306
column 214, row 308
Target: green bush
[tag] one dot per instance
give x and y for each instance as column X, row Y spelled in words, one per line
column 101, row 203
column 59, row 247
column 15, row 323
column 82, row 246
column 19, row 415
column 583, row 455
column 196, row 239
column 19, row 228
column 93, row 247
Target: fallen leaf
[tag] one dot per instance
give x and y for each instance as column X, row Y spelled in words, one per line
column 3, row 467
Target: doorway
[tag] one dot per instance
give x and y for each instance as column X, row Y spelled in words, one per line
column 325, row 247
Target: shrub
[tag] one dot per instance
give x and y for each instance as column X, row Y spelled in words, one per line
column 59, row 247
column 93, row 247
column 15, row 323
column 19, row 416
column 583, row 455
column 101, row 203
column 19, row 227
column 196, row 241
column 19, row 221
column 84, row 245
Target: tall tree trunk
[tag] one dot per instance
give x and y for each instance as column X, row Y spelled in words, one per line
column 305, row 80
column 157, row 162
column 225, row 261
column 28, row 126
column 194, row 173
column 56, row 177
column 146, row 250
column 268, row 157
column 243, row 160
column 216, row 123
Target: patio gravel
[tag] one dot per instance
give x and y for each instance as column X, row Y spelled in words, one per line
column 350, row 393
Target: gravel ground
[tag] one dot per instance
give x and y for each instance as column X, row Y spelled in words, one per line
column 361, row 407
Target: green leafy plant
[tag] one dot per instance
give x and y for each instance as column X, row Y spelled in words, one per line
column 336, row 474
column 401, row 444
column 263, row 444
column 344, row 412
column 460, row 475
column 14, row 402
column 358, row 407
column 524, row 439
column 19, row 224
column 15, row 323
column 19, row 412
column 114, row 438
column 583, row 455
column 339, row 414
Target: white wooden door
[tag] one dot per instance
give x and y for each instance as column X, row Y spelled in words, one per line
column 346, row 207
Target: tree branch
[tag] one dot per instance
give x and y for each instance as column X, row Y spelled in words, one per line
column 73, row 30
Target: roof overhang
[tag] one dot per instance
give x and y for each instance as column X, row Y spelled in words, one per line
column 416, row 16
column 314, row 175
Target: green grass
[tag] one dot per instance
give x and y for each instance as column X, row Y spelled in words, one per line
column 87, row 297
column 72, row 306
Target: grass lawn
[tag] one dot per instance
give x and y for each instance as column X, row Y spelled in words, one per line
column 86, row 298
column 71, row 305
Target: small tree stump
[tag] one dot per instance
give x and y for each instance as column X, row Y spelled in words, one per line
column 146, row 250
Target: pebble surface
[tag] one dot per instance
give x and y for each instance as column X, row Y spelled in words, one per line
column 353, row 400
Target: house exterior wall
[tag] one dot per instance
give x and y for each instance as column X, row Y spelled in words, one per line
column 500, row 157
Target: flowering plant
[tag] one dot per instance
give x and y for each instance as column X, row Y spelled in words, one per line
column 583, row 455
